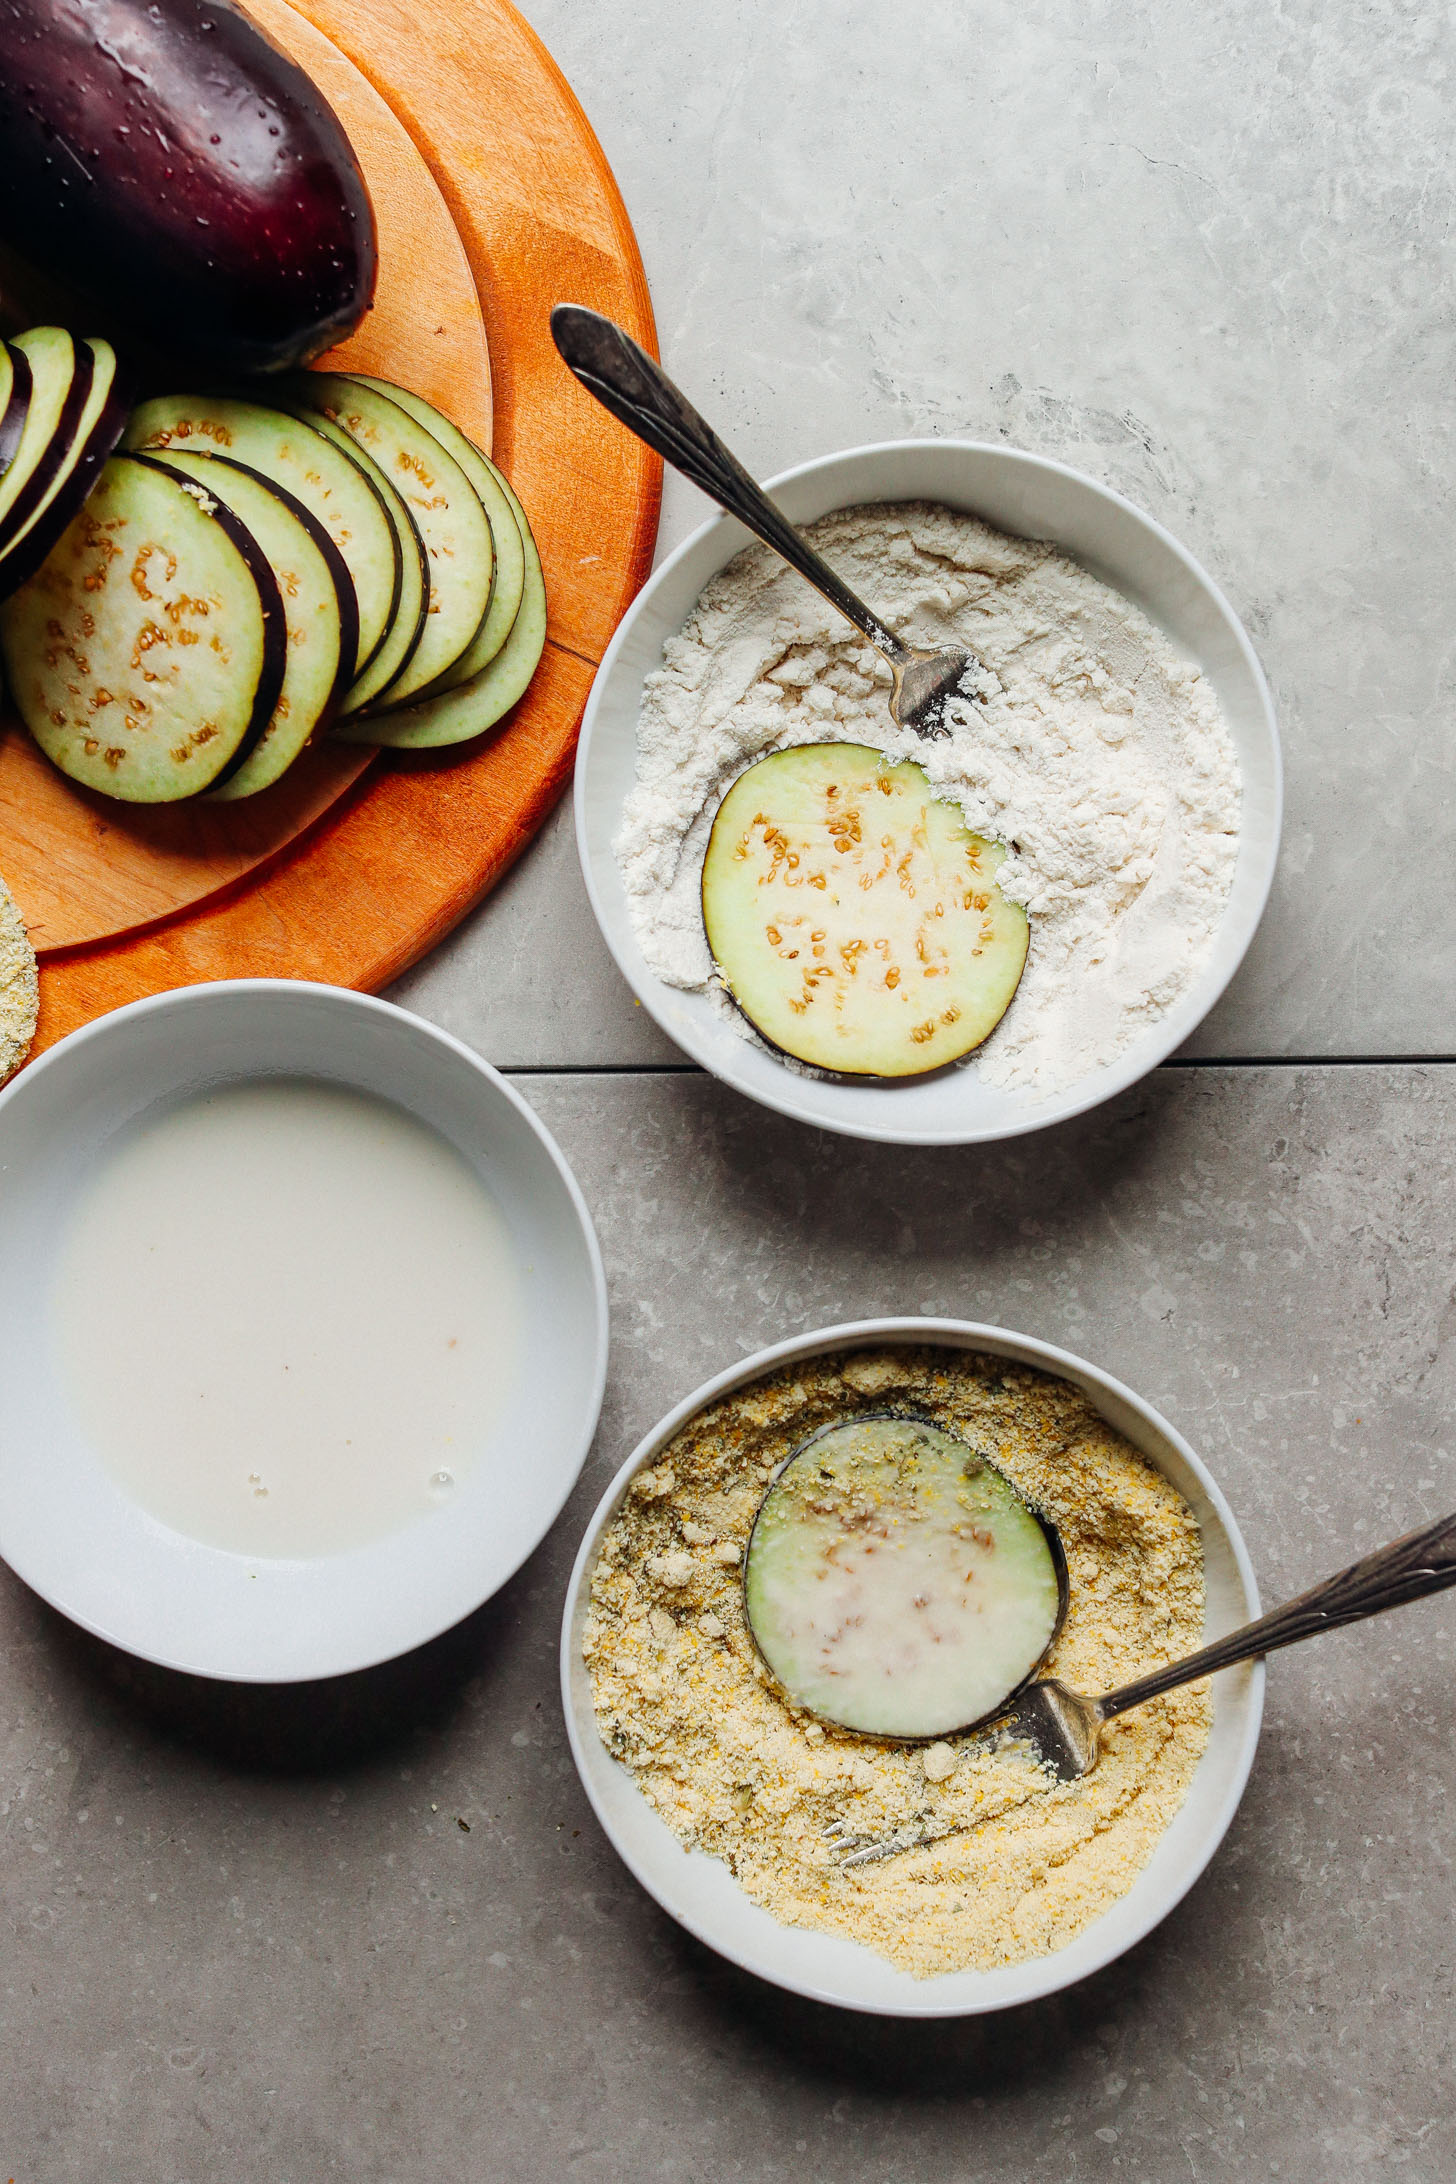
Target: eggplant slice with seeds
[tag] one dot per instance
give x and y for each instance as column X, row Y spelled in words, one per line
column 147, row 653
column 445, row 508
column 323, row 478
column 298, row 552
column 97, row 431
column 455, row 715
column 853, row 915
column 502, row 513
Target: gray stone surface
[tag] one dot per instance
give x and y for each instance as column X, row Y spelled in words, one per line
column 246, row 1935
column 371, row 1932
column 1202, row 252
column 528, row 981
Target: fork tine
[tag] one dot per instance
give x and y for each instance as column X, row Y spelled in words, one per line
column 1056, row 1724
column 1061, row 1729
column 871, row 1852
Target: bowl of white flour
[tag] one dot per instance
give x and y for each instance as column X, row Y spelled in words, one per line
column 1121, row 742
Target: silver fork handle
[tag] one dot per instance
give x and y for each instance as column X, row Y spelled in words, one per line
column 1422, row 1562
column 638, row 392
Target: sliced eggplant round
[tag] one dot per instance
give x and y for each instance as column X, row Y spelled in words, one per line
column 323, row 478
column 345, row 599
column 896, row 1583
column 33, row 494
column 147, row 653
column 299, row 554
column 407, row 628
column 54, row 360
column 14, row 402
column 855, row 918
column 455, row 716
column 446, row 509
column 97, row 432
column 498, row 501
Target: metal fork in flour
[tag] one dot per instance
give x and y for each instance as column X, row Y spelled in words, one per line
column 638, row 392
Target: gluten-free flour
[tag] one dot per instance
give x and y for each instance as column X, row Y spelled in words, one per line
column 1091, row 747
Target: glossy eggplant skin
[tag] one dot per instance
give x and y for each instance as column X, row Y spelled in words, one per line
column 184, row 178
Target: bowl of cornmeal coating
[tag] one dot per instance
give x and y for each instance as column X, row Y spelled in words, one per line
column 733, row 1808
column 1119, row 753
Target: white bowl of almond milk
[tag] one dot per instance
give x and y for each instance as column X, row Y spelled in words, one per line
column 303, row 1330
column 1123, row 748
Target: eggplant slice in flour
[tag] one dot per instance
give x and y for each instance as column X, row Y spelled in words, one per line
column 853, row 915
column 146, row 655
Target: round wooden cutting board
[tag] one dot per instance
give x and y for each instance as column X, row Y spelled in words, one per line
column 84, row 867
column 397, row 857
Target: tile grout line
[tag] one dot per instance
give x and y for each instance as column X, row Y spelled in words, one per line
column 1242, row 1061
column 1309, row 1061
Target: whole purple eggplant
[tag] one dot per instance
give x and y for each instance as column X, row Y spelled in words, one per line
column 183, row 179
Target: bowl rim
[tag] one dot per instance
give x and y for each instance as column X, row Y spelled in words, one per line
column 780, row 1094
column 290, row 991
column 1043, row 1977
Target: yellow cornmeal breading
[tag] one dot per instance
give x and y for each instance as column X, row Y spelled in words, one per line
column 19, row 990
column 1024, row 1862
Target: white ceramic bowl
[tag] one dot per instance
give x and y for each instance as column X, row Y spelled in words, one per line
column 70, row 1530
column 1034, row 498
column 700, row 1892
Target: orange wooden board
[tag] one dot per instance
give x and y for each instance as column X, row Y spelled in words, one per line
column 84, row 867
column 406, row 851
